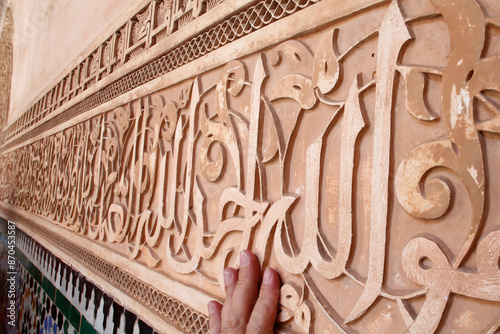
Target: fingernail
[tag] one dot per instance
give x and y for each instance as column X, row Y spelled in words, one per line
column 211, row 308
column 267, row 276
column 244, row 259
column 228, row 277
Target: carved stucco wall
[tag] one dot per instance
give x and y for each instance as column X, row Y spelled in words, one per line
column 6, row 36
column 351, row 145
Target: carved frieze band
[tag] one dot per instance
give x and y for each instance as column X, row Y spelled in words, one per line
column 156, row 21
column 354, row 159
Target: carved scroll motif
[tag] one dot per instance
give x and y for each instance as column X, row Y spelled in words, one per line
column 291, row 153
column 464, row 80
column 293, row 305
column 462, row 151
column 442, row 279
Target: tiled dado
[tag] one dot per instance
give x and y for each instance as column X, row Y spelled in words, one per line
column 52, row 297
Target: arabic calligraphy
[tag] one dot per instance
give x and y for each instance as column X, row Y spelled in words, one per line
column 291, row 153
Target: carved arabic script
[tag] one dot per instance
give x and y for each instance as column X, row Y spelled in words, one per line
column 291, row 153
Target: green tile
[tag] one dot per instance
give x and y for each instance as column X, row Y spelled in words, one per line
column 49, row 288
column 68, row 310
column 30, row 267
column 37, row 274
column 86, row 327
column 21, row 258
column 75, row 317
column 66, row 326
column 63, row 304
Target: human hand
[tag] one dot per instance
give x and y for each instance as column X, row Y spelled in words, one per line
column 246, row 310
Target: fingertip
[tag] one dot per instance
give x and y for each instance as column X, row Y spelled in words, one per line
column 229, row 276
column 248, row 259
column 230, row 280
column 271, row 281
column 265, row 310
column 249, row 265
column 214, row 316
column 214, row 308
column 245, row 256
column 268, row 275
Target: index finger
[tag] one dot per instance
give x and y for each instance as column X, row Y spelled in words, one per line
column 264, row 313
column 245, row 293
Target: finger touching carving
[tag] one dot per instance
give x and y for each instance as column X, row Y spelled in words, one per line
column 264, row 312
column 230, row 279
column 245, row 310
column 244, row 295
column 214, row 312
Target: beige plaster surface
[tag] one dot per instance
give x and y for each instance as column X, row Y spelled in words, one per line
column 48, row 36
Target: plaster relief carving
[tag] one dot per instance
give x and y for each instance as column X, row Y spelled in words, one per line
column 359, row 162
